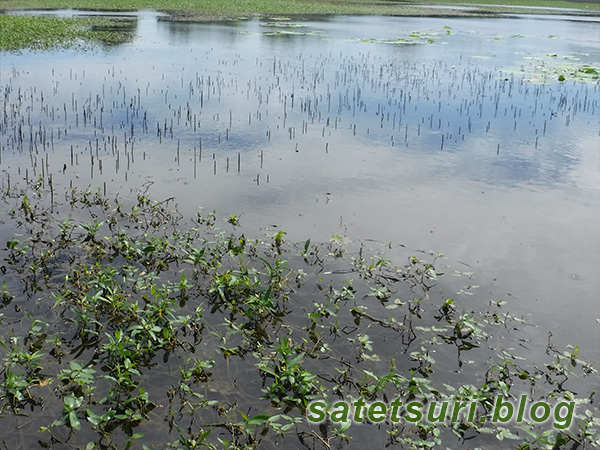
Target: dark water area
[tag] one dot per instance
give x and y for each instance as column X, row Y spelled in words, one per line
column 444, row 134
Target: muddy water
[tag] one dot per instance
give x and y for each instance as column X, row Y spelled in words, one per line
column 444, row 134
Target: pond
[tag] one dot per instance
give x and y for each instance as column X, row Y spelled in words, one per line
column 477, row 138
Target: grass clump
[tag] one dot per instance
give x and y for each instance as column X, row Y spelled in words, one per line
column 41, row 33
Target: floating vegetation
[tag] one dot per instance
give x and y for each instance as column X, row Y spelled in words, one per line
column 133, row 323
column 283, row 25
column 293, row 33
column 551, row 68
column 416, row 37
column 398, row 41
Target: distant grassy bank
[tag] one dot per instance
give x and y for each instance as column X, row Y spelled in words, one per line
column 237, row 7
column 45, row 32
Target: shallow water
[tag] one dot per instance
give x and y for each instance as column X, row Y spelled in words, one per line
column 448, row 140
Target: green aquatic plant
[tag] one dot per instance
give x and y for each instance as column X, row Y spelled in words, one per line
column 218, row 340
column 291, row 382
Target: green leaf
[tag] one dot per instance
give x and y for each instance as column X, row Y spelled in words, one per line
column 296, row 360
column 306, row 246
column 259, row 419
column 74, row 420
column 69, row 402
column 344, row 426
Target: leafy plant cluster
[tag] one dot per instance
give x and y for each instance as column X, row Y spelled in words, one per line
column 126, row 324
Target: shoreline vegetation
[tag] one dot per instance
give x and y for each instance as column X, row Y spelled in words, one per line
column 42, row 32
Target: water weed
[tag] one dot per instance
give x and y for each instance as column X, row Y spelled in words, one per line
column 121, row 309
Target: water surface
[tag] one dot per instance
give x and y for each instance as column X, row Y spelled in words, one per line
column 429, row 133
